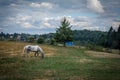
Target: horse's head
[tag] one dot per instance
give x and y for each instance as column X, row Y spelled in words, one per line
column 29, row 47
column 41, row 51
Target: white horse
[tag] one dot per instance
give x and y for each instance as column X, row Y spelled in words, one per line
column 35, row 49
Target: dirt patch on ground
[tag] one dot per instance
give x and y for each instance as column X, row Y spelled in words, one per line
column 102, row 54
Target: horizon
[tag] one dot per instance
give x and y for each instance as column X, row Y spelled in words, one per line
column 44, row 16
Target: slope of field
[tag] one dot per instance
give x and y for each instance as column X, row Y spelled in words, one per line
column 60, row 63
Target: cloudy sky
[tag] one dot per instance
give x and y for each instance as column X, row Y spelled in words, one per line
column 44, row 16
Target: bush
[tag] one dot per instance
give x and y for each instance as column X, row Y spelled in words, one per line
column 108, row 50
column 30, row 39
column 40, row 40
column 94, row 47
column 2, row 39
column 52, row 41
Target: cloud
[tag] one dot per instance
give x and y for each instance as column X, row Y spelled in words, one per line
column 23, row 17
column 45, row 5
column 95, row 5
column 1, row 29
column 45, row 15
column 47, row 25
column 82, row 22
column 27, row 25
column 115, row 24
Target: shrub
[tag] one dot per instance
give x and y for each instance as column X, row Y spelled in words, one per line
column 52, row 41
column 94, row 47
column 30, row 39
column 40, row 40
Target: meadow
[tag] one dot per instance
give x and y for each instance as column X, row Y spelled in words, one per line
column 60, row 63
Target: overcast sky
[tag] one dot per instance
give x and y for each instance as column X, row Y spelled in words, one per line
column 44, row 16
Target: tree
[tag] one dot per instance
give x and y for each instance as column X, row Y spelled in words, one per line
column 114, row 40
column 2, row 36
column 64, row 32
column 52, row 41
column 40, row 40
column 109, row 37
column 31, row 39
column 118, row 37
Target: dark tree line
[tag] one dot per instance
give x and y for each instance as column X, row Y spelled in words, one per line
column 112, row 39
column 85, row 37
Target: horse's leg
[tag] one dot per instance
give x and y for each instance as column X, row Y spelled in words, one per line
column 35, row 54
column 28, row 53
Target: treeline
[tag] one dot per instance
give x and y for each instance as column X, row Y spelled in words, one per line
column 109, row 39
column 85, row 37
column 15, row 36
column 44, row 38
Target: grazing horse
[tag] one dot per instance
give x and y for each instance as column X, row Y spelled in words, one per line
column 35, row 49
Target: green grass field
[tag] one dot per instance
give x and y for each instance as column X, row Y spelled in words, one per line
column 60, row 63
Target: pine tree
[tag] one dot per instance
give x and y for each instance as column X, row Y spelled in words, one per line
column 118, row 37
column 109, row 37
column 64, row 32
column 114, row 39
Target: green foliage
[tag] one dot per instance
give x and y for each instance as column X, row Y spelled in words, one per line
column 2, row 39
column 84, row 37
column 64, row 32
column 113, row 39
column 94, row 47
column 30, row 39
column 11, row 39
column 118, row 37
column 52, row 41
column 109, row 37
column 40, row 40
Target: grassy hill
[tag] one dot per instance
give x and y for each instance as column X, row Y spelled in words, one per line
column 60, row 63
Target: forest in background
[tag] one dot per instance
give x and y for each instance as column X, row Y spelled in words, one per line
column 108, row 39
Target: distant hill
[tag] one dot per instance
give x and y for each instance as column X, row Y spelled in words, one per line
column 81, row 37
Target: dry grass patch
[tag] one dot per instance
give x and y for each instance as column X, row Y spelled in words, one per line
column 16, row 49
column 102, row 54
column 49, row 51
column 84, row 60
column 11, row 48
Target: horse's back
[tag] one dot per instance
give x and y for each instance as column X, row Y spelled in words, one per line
column 33, row 48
